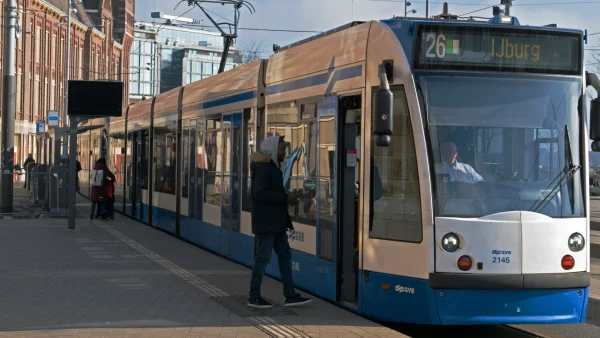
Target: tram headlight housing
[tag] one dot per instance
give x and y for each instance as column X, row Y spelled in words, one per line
column 450, row 242
column 576, row 242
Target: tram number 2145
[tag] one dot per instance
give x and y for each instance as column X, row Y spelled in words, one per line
column 500, row 260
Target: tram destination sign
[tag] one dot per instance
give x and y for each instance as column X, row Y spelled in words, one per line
column 503, row 49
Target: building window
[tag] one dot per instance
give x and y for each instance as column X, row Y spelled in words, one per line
column 80, row 70
column 53, row 52
column 19, row 91
column 36, row 95
column 38, row 32
column 48, row 49
column 52, row 94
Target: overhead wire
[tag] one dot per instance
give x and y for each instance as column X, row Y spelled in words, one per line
column 479, row 10
column 544, row 3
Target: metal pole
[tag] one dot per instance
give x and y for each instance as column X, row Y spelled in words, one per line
column 427, row 9
column 66, row 93
column 72, row 130
column 72, row 170
column 405, row 8
column 507, row 7
column 9, row 104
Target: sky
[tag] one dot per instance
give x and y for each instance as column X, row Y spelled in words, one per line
column 322, row 15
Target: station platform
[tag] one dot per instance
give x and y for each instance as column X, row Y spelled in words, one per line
column 594, row 297
column 122, row 278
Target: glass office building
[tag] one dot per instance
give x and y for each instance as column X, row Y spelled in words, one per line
column 171, row 57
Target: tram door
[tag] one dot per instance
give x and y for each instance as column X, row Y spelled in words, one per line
column 231, row 196
column 135, row 172
column 348, row 246
column 193, row 181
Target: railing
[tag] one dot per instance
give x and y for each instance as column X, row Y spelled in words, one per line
column 58, row 192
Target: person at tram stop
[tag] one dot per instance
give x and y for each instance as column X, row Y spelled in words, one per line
column 456, row 170
column 98, row 195
column 28, row 168
column 270, row 221
column 78, row 169
column 17, row 171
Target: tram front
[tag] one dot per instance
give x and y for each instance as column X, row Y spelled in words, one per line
column 503, row 105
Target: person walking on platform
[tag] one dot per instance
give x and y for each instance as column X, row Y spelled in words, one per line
column 99, row 175
column 270, row 222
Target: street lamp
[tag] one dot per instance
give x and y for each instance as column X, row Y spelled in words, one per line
column 406, row 4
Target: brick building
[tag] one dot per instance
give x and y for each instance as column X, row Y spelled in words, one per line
column 101, row 39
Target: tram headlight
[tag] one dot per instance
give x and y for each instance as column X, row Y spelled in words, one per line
column 450, row 242
column 576, row 242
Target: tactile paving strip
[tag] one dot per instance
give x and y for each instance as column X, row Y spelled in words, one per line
column 239, row 306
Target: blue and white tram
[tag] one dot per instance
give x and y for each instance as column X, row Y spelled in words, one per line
column 456, row 196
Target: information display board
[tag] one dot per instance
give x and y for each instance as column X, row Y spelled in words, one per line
column 503, row 49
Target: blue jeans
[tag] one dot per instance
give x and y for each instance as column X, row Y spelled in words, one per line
column 265, row 244
column 100, row 211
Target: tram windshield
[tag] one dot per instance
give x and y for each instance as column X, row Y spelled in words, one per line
column 505, row 144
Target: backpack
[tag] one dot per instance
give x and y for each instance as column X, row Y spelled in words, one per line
column 97, row 177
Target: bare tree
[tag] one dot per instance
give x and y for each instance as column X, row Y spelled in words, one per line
column 594, row 65
column 248, row 52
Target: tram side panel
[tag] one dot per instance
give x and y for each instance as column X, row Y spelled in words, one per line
column 164, row 150
column 304, row 84
column 217, row 126
column 397, row 223
column 137, row 161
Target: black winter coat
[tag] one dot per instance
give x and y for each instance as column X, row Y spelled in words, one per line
column 269, row 200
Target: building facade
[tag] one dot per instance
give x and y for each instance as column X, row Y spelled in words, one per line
column 164, row 57
column 101, row 35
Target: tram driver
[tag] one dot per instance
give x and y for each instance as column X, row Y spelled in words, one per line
column 456, row 171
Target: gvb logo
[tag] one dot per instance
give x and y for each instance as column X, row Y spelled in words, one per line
column 501, row 252
column 404, row 289
column 296, row 236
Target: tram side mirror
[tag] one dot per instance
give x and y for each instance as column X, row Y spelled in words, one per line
column 595, row 124
column 384, row 117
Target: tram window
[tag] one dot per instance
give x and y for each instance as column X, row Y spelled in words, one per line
column 185, row 156
column 165, row 159
column 145, row 161
column 213, row 147
column 200, row 170
column 326, row 181
column 395, row 195
column 248, row 144
column 159, row 157
column 308, row 110
column 300, row 162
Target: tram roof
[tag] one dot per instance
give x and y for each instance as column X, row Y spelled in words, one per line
column 477, row 23
column 416, row 20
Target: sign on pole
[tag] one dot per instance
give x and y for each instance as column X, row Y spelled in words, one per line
column 40, row 126
column 52, row 118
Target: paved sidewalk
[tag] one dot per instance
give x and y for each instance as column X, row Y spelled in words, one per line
column 119, row 277
column 593, row 313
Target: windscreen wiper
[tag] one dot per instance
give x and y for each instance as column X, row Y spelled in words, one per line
column 565, row 175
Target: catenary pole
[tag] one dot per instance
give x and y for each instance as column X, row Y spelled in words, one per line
column 9, row 104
